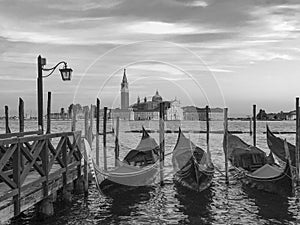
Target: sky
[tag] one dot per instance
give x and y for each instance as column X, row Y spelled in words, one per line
column 222, row 53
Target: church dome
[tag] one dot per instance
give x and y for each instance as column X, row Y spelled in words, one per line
column 156, row 97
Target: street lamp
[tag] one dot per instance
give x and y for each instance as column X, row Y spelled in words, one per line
column 65, row 75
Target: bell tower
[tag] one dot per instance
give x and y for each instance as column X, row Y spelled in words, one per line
column 124, row 92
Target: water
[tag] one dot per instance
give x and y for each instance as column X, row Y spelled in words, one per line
column 170, row 204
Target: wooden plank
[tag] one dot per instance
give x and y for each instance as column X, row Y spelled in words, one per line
column 7, row 180
column 4, row 159
column 9, row 194
column 65, row 161
column 30, row 158
column 16, row 178
column 26, row 170
column 18, row 134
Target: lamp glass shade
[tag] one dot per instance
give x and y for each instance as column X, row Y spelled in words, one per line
column 66, row 73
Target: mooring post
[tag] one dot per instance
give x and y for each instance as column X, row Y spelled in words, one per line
column 254, row 125
column 91, row 125
column 45, row 207
column 161, row 142
column 250, row 125
column 48, row 131
column 21, row 115
column 225, row 143
column 97, row 131
column 117, row 148
column 85, row 166
column 297, row 142
column 21, row 127
column 7, row 129
column 104, row 139
column 74, row 120
column 207, row 136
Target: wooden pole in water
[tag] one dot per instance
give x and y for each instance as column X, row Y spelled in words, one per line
column 48, row 131
column 254, row 125
column 21, row 127
column 161, row 141
column 91, row 125
column 225, row 143
column 21, row 115
column 297, row 141
column 207, row 136
column 117, row 147
column 104, row 139
column 97, row 130
column 250, row 125
column 7, row 129
column 85, row 165
column 74, row 112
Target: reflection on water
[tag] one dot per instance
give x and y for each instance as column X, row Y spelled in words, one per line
column 271, row 207
column 171, row 204
column 195, row 205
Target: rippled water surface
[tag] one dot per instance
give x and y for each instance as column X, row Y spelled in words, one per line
column 170, row 204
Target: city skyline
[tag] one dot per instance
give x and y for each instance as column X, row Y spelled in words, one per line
column 222, row 53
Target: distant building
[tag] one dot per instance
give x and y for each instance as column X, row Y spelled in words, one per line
column 149, row 110
column 174, row 112
column 196, row 113
column 125, row 113
column 291, row 115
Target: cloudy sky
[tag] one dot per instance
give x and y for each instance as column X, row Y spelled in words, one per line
column 219, row 52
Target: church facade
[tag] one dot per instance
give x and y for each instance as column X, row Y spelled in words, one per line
column 147, row 109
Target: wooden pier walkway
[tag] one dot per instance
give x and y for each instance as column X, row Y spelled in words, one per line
column 33, row 167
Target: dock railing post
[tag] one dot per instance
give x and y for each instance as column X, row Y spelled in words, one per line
column 117, row 149
column 104, row 139
column 161, row 141
column 254, row 125
column 16, row 178
column 225, row 143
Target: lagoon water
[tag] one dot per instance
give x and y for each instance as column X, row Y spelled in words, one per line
column 170, row 204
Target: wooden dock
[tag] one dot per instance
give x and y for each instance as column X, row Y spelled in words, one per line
column 33, row 167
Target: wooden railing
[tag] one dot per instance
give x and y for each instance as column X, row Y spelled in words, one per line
column 41, row 153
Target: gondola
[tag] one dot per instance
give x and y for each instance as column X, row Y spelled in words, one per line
column 138, row 169
column 192, row 169
column 252, row 167
column 276, row 146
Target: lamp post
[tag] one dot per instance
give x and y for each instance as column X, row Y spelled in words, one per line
column 65, row 75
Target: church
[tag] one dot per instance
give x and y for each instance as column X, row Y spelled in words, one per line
column 146, row 109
